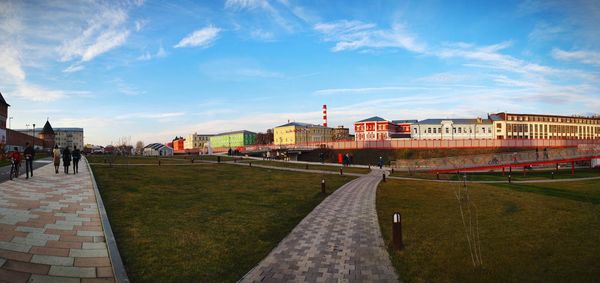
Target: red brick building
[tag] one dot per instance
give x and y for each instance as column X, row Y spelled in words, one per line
column 178, row 143
column 377, row 128
column 12, row 138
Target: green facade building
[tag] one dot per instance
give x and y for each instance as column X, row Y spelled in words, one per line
column 233, row 139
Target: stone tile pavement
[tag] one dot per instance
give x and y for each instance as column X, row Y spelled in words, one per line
column 50, row 229
column 339, row 241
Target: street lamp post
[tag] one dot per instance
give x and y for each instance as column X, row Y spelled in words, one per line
column 10, row 122
column 33, row 137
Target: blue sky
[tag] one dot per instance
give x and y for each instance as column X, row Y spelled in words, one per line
column 150, row 70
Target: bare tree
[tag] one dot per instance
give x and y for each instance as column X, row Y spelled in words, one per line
column 139, row 147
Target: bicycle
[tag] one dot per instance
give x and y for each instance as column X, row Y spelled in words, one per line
column 14, row 169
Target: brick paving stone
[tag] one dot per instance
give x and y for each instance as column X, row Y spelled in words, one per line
column 73, row 271
column 44, row 222
column 49, row 251
column 339, row 241
column 26, row 267
column 35, row 278
column 53, row 260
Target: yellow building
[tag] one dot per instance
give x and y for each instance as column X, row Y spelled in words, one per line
column 299, row 133
column 534, row 126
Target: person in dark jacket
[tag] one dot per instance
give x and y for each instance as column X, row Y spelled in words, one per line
column 29, row 155
column 66, row 157
column 76, row 156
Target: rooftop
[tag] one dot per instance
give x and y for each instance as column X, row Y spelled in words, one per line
column 299, row 124
column 455, row 121
column 2, row 101
column 373, row 119
column 235, row 132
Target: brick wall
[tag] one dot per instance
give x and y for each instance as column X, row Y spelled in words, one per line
column 15, row 138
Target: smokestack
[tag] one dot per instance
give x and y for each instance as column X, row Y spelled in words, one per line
column 324, row 115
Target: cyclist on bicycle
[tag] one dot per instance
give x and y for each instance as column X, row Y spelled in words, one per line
column 16, row 158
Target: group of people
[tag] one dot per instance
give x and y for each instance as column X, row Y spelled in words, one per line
column 29, row 154
column 66, row 155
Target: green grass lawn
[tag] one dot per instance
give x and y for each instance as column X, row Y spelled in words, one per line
column 517, row 175
column 528, row 232
column 204, row 223
column 134, row 159
column 315, row 166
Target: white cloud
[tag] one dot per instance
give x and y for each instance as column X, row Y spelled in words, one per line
column 37, row 93
column 74, row 68
column 10, row 68
column 160, row 53
column 262, row 35
column 586, row 57
column 202, row 37
column 247, row 4
column 237, row 70
column 352, row 35
column 104, row 32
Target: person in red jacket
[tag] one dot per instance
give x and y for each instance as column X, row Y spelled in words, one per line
column 16, row 156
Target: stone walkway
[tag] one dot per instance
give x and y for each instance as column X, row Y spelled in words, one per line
column 339, row 241
column 50, row 229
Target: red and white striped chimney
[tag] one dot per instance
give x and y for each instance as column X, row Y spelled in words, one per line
column 324, row 115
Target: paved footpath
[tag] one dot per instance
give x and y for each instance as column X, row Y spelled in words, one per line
column 50, row 229
column 339, row 241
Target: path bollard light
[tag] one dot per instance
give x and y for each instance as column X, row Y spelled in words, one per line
column 437, row 175
column 250, row 164
column 552, row 174
column 383, row 177
column 341, row 171
column 306, row 167
column 509, row 179
column 392, row 170
column 192, row 160
column 397, row 231
column 158, row 162
column 218, row 159
column 323, row 186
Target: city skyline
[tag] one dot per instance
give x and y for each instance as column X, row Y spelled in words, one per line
column 151, row 71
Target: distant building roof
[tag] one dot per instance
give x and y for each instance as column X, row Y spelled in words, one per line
column 68, row 130
column 235, row 132
column 373, row 119
column 404, row 121
column 299, row 124
column 455, row 121
column 47, row 129
column 156, row 146
column 2, row 101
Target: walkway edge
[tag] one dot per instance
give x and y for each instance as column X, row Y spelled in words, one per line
column 115, row 257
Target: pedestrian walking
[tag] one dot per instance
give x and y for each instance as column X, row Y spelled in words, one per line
column 16, row 157
column 76, row 157
column 29, row 155
column 66, row 157
column 56, row 158
column 380, row 162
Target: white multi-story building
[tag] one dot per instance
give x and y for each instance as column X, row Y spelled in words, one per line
column 453, row 129
column 63, row 137
column 196, row 141
column 536, row 126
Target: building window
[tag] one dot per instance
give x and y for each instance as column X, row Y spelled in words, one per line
column 447, row 130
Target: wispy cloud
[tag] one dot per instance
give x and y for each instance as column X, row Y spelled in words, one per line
column 203, row 37
column 352, row 35
column 104, row 32
column 237, row 70
column 586, row 57
column 160, row 53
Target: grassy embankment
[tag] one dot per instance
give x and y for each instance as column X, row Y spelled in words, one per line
column 527, row 232
column 204, row 223
column 517, row 175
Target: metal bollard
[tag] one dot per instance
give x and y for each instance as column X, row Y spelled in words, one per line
column 341, row 171
column 392, row 170
column 437, row 175
column 250, row 164
column 397, row 231
column 192, row 160
column 306, row 167
column 159, row 162
column 323, row 186
column 218, row 159
column 509, row 179
column 552, row 174
column 383, row 177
